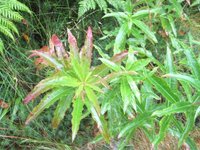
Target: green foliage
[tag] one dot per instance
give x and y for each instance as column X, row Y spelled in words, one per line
column 152, row 86
column 87, row 5
column 9, row 13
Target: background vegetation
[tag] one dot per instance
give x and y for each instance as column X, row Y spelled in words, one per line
column 134, row 86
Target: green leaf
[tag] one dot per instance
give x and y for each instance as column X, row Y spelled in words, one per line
column 110, row 64
column 185, row 78
column 103, row 69
column 134, row 88
column 145, row 29
column 120, row 39
column 173, row 27
column 140, row 14
column 101, row 122
column 59, row 113
column 178, row 107
column 117, row 15
column 177, row 5
column 126, row 94
column 140, row 64
column 76, row 116
column 135, row 123
column 162, row 87
column 46, row 102
column 188, row 90
column 170, row 68
column 188, row 127
column 93, row 98
column 164, row 125
column 193, row 63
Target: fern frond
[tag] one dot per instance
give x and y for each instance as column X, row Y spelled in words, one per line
column 116, row 3
column 17, row 6
column 1, row 46
column 7, row 23
column 7, row 32
column 86, row 5
column 102, row 4
column 10, row 14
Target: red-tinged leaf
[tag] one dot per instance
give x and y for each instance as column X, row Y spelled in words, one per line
column 118, row 57
column 60, row 51
column 72, row 43
column 44, row 49
column 48, row 84
column 46, row 102
column 55, row 40
column 51, row 61
column 103, row 69
column 89, row 44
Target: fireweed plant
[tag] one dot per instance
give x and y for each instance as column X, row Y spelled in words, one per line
column 74, row 82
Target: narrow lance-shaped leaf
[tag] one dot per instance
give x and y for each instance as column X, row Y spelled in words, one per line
column 162, row 87
column 185, row 78
column 177, row 107
column 86, row 51
column 135, row 123
column 103, row 69
column 93, row 98
column 63, row 105
column 170, row 67
column 50, row 60
column 134, row 88
column 126, row 94
column 101, row 122
column 140, row 64
column 192, row 62
column 164, row 125
column 145, row 29
column 72, row 44
column 120, row 38
column 46, row 102
column 110, row 64
column 142, row 13
column 76, row 116
column 188, row 127
column 58, row 46
column 48, row 84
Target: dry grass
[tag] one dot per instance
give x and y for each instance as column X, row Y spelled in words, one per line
column 140, row 142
